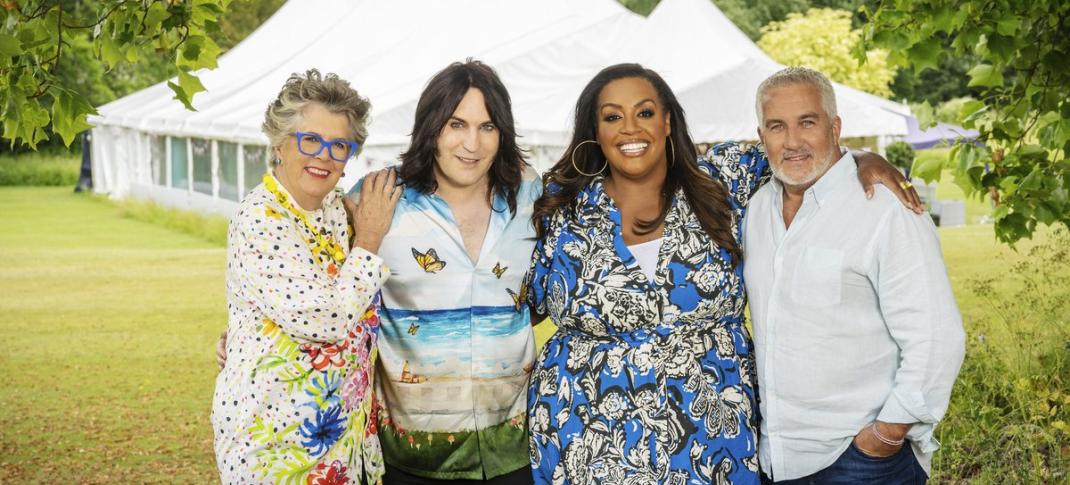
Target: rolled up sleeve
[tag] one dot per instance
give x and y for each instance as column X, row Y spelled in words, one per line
column 919, row 309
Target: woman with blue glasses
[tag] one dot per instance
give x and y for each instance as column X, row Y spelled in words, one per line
column 293, row 403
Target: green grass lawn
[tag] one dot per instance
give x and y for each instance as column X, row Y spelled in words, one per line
column 108, row 326
column 110, row 323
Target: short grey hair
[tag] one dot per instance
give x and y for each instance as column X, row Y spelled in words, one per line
column 330, row 91
column 797, row 75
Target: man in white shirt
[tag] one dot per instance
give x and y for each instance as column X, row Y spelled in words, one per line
column 858, row 338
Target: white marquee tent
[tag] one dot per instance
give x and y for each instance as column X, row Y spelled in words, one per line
column 147, row 145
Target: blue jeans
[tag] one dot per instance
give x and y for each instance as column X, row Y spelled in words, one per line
column 855, row 468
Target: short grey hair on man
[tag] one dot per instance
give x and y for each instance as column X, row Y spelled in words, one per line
column 300, row 90
column 797, row 75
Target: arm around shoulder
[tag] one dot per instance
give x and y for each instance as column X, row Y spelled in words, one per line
column 741, row 167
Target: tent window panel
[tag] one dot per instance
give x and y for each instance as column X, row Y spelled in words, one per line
column 202, row 165
column 179, row 164
column 228, row 170
column 255, row 165
column 158, row 152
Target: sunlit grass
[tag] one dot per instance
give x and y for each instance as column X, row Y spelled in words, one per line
column 40, row 169
column 107, row 326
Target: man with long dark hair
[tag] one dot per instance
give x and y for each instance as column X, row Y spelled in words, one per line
column 456, row 345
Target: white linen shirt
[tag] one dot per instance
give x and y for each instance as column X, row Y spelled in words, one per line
column 854, row 320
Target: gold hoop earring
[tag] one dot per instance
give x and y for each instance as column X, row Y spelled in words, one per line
column 581, row 172
column 672, row 150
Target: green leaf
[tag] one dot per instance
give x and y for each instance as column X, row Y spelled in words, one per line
column 1031, row 151
column 968, row 156
column 926, row 54
column 928, row 169
column 26, row 123
column 970, row 108
column 1044, row 213
column 1033, row 181
column 191, row 50
column 187, row 86
column 9, row 47
column 34, row 34
column 198, row 52
column 1000, row 211
column 1012, row 227
column 1003, row 48
column 943, row 20
column 1008, row 25
column 985, row 75
column 110, row 51
column 1009, row 185
column 975, row 175
column 155, row 16
column 205, row 10
column 891, row 39
column 965, row 181
column 69, row 110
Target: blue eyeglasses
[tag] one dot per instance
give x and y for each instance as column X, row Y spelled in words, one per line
column 339, row 149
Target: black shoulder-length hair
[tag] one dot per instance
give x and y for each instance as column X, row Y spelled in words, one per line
column 436, row 105
column 707, row 197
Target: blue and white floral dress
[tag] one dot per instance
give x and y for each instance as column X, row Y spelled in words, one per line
column 645, row 381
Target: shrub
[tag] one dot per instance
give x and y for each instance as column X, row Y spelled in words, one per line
column 1010, row 407
column 210, row 228
column 900, row 154
column 39, row 169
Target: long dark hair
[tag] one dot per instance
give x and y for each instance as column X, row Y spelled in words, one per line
column 437, row 103
column 708, row 197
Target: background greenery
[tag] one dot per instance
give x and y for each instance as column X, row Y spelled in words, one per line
column 40, row 169
column 123, row 58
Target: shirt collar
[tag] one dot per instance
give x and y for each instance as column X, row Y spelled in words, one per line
column 498, row 202
column 832, row 179
column 327, row 199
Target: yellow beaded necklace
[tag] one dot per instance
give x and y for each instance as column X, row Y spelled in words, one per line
column 320, row 243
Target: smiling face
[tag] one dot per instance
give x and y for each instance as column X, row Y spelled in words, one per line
column 310, row 178
column 467, row 145
column 800, row 139
column 632, row 128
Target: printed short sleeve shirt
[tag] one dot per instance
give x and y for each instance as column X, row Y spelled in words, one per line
column 456, row 345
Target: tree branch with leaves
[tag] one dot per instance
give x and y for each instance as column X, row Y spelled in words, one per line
column 1021, row 73
column 33, row 35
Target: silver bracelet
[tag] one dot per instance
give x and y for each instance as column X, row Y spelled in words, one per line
column 885, row 439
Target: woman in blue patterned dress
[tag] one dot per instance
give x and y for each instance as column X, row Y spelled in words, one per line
column 650, row 377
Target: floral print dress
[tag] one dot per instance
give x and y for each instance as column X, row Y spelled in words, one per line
column 645, row 381
column 293, row 404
